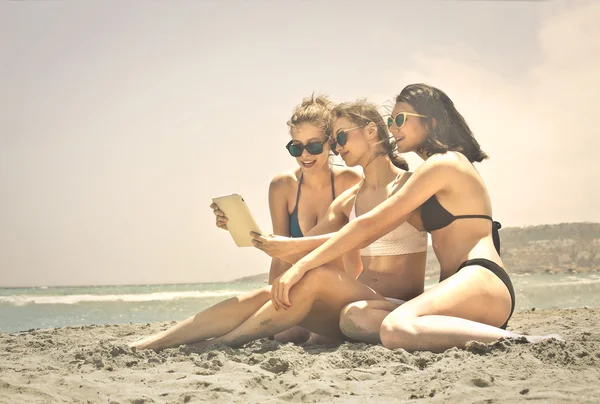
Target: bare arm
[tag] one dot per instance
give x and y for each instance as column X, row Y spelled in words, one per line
column 280, row 221
column 427, row 180
column 291, row 250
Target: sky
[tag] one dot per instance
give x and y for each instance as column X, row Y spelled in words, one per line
column 119, row 121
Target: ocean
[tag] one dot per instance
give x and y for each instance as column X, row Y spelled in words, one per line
column 22, row 309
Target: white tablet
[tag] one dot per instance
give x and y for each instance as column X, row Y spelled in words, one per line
column 239, row 219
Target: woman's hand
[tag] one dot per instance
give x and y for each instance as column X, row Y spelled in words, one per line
column 221, row 219
column 274, row 246
column 280, row 291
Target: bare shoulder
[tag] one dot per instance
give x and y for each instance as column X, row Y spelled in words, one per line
column 346, row 199
column 346, row 178
column 447, row 162
column 283, row 183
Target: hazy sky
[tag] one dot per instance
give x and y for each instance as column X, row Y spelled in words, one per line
column 119, row 121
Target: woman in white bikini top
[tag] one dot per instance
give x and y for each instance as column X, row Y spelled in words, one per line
column 393, row 266
column 404, row 239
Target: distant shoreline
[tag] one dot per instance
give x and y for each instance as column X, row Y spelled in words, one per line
column 264, row 278
column 565, row 248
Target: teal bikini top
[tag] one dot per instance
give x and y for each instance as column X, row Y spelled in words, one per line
column 295, row 230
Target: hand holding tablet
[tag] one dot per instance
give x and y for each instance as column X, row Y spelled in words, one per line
column 240, row 221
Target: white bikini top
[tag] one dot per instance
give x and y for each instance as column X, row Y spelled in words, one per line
column 404, row 239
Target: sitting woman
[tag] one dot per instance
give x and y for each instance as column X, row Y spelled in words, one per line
column 298, row 198
column 394, row 266
column 475, row 298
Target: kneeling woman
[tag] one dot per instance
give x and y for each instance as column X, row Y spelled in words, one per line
column 475, row 297
column 394, row 265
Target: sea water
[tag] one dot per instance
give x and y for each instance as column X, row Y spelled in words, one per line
column 47, row 307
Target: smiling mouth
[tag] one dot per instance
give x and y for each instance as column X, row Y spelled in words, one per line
column 308, row 163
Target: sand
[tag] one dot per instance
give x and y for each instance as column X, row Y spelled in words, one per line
column 93, row 364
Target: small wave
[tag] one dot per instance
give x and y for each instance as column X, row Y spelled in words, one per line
column 567, row 283
column 21, row 300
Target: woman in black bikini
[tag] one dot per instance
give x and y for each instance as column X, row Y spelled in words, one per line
column 475, row 297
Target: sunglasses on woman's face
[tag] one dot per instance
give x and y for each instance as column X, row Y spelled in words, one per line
column 341, row 137
column 296, row 148
column 400, row 119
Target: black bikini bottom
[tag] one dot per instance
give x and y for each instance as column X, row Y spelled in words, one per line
column 500, row 273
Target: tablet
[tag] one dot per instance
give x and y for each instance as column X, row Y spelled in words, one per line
column 239, row 219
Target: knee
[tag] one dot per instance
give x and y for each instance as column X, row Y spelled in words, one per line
column 399, row 331
column 265, row 292
column 313, row 281
column 351, row 318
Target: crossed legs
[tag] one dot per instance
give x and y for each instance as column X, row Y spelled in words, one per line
column 242, row 319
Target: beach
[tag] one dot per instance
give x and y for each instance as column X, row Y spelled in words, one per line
column 94, row 364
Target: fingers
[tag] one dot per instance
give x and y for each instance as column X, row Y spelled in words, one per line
column 221, row 219
column 277, row 299
column 216, row 210
column 283, row 297
column 259, row 242
column 286, row 297
column 222, row 222
column 274, row 294
column 280, row 294
column 258, row 237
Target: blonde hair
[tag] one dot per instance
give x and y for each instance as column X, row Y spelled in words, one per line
column 313, row 110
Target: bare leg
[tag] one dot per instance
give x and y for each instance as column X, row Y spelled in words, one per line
column 212, row 322
column 318, row 339
column 361, row 321
column 324, row 284
column 296, row 335
column 468, row 306
column 299, row 335
column 320, row 315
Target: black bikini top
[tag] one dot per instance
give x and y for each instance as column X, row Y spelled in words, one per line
column 435, row 217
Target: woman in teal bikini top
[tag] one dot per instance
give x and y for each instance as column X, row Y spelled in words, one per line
column 295, row 230
column 310, row 147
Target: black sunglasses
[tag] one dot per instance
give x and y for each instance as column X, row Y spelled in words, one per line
column 296, row 149
column 341, row 138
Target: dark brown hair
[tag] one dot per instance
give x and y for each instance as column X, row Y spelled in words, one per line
column 450, row 131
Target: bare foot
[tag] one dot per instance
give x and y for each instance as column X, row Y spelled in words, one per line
column 318, row 339
column 205, row 343
column 295, row 335
column 539, row 338
column 145, row 343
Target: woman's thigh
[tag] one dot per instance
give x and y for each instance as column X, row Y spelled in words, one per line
column 332, row 289
column 473, row 293
column 362, row 320
column 332, row 286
